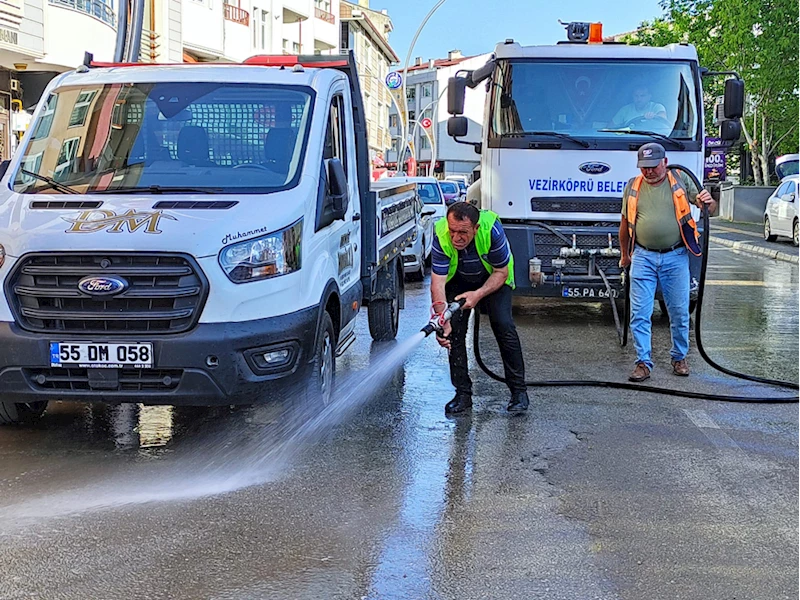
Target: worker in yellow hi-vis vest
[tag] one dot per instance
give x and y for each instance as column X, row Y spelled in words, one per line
column 471, row 260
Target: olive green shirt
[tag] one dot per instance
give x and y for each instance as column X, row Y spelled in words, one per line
column 656, row 225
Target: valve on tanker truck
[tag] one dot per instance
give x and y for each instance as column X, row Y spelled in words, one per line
column 573, row 252
column 535, row 275
column 610, row 251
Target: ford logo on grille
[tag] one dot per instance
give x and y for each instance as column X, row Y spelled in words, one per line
column 594, row 168
column 102, row 286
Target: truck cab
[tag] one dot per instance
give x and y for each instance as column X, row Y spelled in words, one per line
column 199, row 234
column 562, row 125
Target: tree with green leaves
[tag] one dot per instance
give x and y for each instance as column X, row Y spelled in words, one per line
column 759, row 40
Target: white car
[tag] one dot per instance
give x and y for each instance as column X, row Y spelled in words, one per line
column 780, row 215
column 430, row 208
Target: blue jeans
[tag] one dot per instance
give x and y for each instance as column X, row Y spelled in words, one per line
column 671, row 270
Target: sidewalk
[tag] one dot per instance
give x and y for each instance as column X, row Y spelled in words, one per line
column 749, row 237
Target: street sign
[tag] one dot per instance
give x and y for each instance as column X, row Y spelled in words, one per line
column 426, row 122
column 394, row 80
column 715, row 168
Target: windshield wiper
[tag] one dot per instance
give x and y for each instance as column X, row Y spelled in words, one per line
column 64, row 189
column 157, row 189
column 563, row 136
column 652, row 134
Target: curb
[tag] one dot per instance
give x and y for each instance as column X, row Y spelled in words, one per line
column 758, row 250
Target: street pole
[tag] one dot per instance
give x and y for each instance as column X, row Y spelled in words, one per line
column 435, row 104
column 402, row 149
column 382, row 81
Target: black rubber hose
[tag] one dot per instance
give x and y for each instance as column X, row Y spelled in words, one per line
column 701, row 292
column 619, row 385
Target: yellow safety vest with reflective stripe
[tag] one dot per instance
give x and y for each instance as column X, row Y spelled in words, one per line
column 683, row 212
column 483, row 243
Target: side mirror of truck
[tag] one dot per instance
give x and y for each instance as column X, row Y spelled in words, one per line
column 4, row 168
column 456, row 89
column 734, row 99
column 730, row 131
column 457, row 126
column 337, row 189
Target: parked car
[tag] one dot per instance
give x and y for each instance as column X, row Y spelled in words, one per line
column 431, row 195
column 417, row 254
column 450, row 191
column 462, row 182
column 780, row 215
column 788, row 164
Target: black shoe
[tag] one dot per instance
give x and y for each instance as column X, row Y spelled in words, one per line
column 458, row 404
column 519, row 402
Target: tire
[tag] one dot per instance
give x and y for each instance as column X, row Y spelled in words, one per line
column 384, row 315
column 12, row 413
column 795, row 232
column 768, row 235
column 319, row 391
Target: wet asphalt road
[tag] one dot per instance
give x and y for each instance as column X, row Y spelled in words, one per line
column 594, row 493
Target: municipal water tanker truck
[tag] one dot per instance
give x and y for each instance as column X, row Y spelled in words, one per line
column 561, row 128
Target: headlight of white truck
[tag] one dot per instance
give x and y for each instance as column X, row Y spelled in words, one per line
column 267, row 256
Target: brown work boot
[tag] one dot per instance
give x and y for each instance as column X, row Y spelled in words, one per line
column 640, row 373
column 680, row 367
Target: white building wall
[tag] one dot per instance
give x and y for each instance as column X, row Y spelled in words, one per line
column 69, row 33
column 202, row 27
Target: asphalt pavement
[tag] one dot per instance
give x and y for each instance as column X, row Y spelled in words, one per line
column 592, row 494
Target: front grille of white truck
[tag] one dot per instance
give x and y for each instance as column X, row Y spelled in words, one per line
column 130, row 380
column 165, row 293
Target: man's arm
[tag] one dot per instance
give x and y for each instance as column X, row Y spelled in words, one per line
column 496, row 280
column 437, row 289
column 624, row 243
column 698, row 197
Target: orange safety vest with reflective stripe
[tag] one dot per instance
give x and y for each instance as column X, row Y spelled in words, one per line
column 683, row 213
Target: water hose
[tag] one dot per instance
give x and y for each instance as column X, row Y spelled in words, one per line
column 619, row 385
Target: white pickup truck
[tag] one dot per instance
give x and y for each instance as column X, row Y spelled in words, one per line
column 197, row 234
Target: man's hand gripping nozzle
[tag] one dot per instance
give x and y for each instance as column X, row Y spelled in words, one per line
column 438, row 320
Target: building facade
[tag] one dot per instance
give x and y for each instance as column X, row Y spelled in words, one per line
column 432, row 150
column 366, row 32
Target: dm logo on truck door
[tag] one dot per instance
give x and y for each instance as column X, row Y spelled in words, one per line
column 594, row 168
column 90, row 221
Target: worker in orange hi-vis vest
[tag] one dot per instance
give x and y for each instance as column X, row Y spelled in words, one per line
column 656, row 235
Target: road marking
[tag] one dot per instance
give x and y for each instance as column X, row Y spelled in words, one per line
column 739, row 231
column 736, row 282
column 701, row 419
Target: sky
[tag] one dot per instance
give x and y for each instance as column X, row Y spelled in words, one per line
column 475, row 26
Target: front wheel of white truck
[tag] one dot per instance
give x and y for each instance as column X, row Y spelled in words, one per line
column 12, row 413
column 323, row 367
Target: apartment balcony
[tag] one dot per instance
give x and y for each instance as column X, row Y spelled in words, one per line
column 237, row 14
column 325, row 16
column 96, row 8
column 92, row 28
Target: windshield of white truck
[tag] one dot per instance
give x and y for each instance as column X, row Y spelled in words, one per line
column 167, row 138
column 599, row 99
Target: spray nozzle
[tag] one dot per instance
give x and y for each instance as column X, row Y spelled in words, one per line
column 438, row 320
